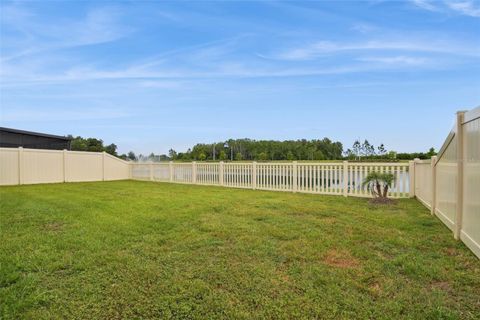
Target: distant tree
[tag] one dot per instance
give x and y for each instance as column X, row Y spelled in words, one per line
column 357, row 147
column 431, row 152
column 222, row 155
column 392, row 155
column 381, row 150
column 111, row 149
column 290, row 155
column 91, row 144
column 202, row 156
column 262, row 156
column 238, row 156
column 164, row 157
column 172, row 154
column 131, row 156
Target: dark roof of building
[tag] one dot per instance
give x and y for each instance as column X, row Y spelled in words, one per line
column 38, row 134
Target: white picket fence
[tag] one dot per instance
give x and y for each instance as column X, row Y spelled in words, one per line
column 337, row 178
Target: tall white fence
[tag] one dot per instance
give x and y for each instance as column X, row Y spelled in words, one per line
column 30, row 166
column 449, row 184
column 337, row 178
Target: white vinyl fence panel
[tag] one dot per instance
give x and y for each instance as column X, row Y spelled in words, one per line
column 451, row 185
column 446, row 186
column 470, row 233
column 84, row 166
column 321, row 178
column 115, row 168
column 42, row 166
column 9, row 166
column 31, row 166
column 423, row 181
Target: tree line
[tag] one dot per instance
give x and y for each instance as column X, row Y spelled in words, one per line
column 260, row 150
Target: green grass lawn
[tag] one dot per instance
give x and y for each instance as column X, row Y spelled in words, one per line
column 134, row 249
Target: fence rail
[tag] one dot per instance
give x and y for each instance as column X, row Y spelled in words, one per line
column 321, row 178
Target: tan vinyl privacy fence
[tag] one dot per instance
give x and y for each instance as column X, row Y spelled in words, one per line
column 337, row 178
column 30, row 166
column 450, row 184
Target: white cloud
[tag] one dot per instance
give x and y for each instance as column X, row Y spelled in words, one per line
column 99, row 25
column 320, row 48
column 463, row 7
column 467, row 8
column 396, row 60
column 425, row 4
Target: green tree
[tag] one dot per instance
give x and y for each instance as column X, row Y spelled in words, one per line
column 202, row 156
column 131, row 156
column 172, row 154
column 290, row 155
column 222, row 155
column 262, row 156
column 111, row 149
column 238, row 156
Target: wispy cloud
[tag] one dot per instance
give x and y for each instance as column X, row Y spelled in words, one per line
column 425, row 4
column 396, row 60
column 465, row 7
column 311, row 51
column 99, row 25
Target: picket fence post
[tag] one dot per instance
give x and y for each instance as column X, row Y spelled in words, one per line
column 411, row 174
column 194, row 172
column 434, row 184
column 254, row 175
column 151, row 171
column 295, row 178
column 345, row 178
column 220, row 174
column 460, row 157
column 170, row 170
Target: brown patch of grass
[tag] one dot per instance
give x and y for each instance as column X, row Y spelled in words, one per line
column 340, row 259
column 54, row 226
column 442, row 286
column 451, row 251
column 382, row 201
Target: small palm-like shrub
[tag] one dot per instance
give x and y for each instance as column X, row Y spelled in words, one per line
column 379, row 183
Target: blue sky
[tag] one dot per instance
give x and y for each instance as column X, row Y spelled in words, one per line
column 150, row 76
